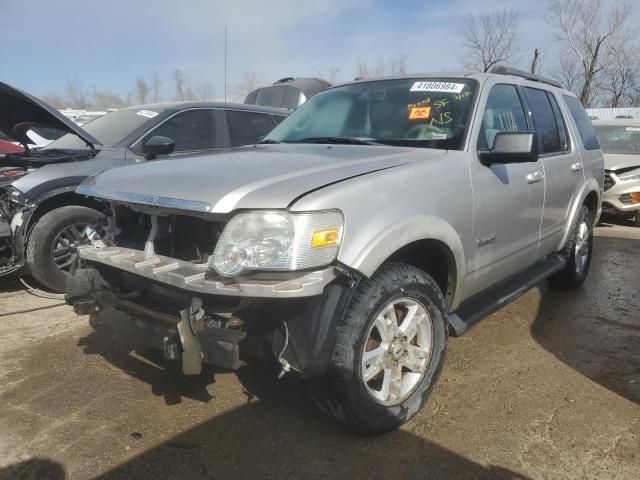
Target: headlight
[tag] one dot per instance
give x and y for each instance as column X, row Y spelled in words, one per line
column 278, row 241
column 16, row 196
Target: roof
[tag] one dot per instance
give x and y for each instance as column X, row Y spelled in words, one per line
column 612, row 113
column 480, row 76
column 626, row 122
column 199, row 104
column 287, row 92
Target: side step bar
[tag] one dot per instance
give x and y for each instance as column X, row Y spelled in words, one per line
column 505, row 292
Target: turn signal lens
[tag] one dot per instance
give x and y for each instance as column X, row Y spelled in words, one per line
column 630, row 198
column 325, row 238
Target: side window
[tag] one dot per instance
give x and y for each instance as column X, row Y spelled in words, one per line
column 191, row 130
column 277, row 119
column 246, row 128
column 585, row 127
column 544, row 121
column 562, row 125
column 503, row 113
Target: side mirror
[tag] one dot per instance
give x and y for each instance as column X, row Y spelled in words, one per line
column 511, row 147
column 158, row 146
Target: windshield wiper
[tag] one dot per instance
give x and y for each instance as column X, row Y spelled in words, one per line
column 336, row 140
column 269, row 141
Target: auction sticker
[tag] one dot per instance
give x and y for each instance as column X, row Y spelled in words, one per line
column 445, row 87
column 147, row 113
column 419, row 113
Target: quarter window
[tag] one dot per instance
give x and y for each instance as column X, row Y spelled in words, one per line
column 247, row 128
column 503, row 113
column 544, row 121
column 190, row 130
column 585, row 127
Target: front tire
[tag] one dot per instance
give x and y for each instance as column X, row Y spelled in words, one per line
column 389, row 353
column 51, row 249
column 578, row 251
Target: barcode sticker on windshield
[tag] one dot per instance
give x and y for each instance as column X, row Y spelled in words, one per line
column 633, row 129
column 147, row 113
column 445, row 87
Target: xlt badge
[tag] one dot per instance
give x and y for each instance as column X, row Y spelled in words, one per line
column 486, row 240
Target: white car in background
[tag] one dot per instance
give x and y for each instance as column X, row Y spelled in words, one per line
column 620, row 142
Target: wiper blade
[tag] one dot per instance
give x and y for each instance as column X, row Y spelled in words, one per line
column 267, row 141
column 336, row 140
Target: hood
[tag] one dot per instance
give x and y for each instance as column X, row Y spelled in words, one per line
column 614, row 161
column 20, row 111
column 263, row 176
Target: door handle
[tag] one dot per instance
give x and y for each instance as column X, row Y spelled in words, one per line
column 535, row 177
column 576, row 167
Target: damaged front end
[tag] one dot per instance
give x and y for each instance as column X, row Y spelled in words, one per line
column 15, row 211
column 150, row 279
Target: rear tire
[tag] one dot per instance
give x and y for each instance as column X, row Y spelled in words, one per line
column 578, row 252
column 396, row 325
column 61, row 229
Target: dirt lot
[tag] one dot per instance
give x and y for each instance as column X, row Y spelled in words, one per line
column 549, row 387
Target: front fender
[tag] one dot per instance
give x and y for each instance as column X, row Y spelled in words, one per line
column 385, row 242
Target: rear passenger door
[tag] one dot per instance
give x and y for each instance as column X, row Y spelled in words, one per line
column 562, row 166
column 248, row 128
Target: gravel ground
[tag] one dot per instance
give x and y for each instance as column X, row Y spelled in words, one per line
column 548, row 387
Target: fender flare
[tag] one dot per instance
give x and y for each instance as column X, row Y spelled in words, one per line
column 394, row 237
column 588, row 187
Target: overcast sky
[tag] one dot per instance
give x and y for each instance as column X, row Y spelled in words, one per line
column 109, row 43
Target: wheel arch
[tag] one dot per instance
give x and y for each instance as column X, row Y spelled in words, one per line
column 428, row 243
column 57, row 199
column 590, row 195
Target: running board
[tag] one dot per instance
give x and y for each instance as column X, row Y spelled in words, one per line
column 505, row 292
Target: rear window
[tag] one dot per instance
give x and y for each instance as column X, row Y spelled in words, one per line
column 583, row 122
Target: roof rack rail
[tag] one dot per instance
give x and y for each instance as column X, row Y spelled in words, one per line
column 502, row 70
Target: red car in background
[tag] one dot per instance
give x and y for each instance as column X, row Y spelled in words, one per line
column 8, row 147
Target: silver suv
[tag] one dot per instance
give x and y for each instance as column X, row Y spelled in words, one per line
column 379, row 216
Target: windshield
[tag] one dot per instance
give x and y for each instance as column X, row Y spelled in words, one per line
column 428, row 113
column 619, row 139
column 108, row 129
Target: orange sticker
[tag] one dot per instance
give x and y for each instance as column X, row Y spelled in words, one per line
column 419, row 113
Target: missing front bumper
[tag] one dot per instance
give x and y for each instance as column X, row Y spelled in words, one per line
column 202, row 280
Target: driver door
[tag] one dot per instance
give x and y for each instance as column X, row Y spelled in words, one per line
column 508, row 198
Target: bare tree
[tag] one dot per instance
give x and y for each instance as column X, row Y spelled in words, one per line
column 246, row 85
column 105, row 99
column 588, row 31
column 204, row 91
column 393, row 66
column 143, row 90
column 535, row 60
column 184, row 92
column 619, row 81
column 332, row 76
column 55, row 100
column 156, row 85
column 489, row 39
column 77, row 95
column 569, row 73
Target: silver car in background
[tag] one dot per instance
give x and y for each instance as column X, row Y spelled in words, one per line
column 620, row 142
